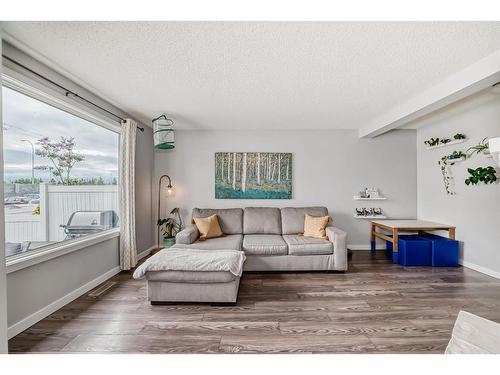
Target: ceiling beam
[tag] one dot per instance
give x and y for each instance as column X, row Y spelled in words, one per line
column 474, row 78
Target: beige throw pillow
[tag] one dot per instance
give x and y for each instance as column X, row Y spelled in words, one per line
column 314, row 226
column 208, row 227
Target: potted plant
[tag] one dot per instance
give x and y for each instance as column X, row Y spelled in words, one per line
column 459, row 136
column 170, row 226
column 455, row 156
column 432, row 142
column 481, row 147
column 488, row 175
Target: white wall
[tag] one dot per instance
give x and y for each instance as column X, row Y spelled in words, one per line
column 474, row 210
column 329, row 167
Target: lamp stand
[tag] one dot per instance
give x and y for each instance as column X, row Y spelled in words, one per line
column 159, row 206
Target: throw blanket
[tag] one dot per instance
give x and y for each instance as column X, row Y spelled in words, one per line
column 193, row 260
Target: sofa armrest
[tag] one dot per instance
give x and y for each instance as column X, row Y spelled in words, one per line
column 188, row 235
column 339, row 239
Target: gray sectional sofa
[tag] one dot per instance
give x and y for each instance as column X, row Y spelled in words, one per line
column 269, row 237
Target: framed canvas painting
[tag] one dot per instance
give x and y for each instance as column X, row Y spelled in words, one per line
column 253, row 175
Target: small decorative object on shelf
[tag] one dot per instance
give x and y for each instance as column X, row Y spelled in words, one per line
column 369, row 213
column 370, row 193
column 455, row 157
column 362, row 194
column 432, row 142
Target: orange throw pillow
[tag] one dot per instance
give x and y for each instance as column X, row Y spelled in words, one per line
column 208, row 227
column 314, row 226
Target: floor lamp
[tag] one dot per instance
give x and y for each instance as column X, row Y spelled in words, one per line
column 170, row 192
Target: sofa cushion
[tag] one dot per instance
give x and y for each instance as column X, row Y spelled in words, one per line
column 300, row 245
column 264, row 244
column 230, row 219
column 292, row 218
column 208, row 227
column 314, row 226
column 261, row 220
column 191, row 276
column 230, row 242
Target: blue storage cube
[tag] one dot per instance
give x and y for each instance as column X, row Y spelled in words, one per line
column 390, row 254
column 444, row 251
column 388, row 249
column 414, row 251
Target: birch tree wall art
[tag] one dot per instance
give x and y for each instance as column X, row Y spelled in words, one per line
column 253, row 175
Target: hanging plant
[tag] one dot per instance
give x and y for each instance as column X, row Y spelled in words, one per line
column 445, row 163
column 447, row 177
column 488, row 175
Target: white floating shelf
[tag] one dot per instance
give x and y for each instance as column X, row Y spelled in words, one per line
column 370, row 217
column 446, row 144
column 454, row 161
column 358, row 198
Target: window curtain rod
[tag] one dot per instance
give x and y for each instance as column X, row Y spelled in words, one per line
column 67, row 91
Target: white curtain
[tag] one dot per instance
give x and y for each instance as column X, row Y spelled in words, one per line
column 128, row 249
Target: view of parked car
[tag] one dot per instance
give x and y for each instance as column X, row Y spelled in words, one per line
column 16, row 200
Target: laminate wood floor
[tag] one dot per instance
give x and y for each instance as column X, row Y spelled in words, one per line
column 375, row 307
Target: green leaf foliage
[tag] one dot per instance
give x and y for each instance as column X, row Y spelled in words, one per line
column 488, row 175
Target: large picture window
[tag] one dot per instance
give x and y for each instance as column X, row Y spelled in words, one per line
column 60, row 175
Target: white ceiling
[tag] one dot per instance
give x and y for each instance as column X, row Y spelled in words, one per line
column 260, row 75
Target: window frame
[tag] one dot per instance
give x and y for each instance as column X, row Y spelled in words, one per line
column 28, row 87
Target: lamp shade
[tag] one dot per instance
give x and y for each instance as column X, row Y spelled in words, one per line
column 494, row 147
column 170, row 191
column 163, row 133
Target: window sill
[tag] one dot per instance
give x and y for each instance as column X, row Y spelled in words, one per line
column 17, row 263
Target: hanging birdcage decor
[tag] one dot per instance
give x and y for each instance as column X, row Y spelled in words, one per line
column 163, row 133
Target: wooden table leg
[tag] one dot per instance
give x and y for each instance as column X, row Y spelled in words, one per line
column 395, row 241
column 372, row 238
column 451, row 233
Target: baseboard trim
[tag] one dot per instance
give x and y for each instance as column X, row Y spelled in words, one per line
column 364, row 247
column 481, row 269
column 30, row 320
column 146, row 252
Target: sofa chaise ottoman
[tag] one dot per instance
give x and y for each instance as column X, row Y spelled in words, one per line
column 186, row 275
column 269, row 238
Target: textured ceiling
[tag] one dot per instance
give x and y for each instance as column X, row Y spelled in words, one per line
column 281, row 75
